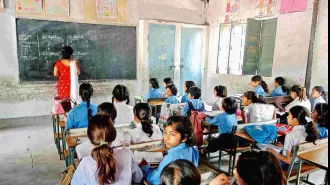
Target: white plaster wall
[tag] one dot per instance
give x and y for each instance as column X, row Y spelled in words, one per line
column 321, row 56
column 21, row 100
column 291, row 49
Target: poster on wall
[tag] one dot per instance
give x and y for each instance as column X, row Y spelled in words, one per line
column 290, row 6
column 29, row 6
column 232, row 10
column 106, row 9
column 57, row 7
column 265, row 8
column 2, row 6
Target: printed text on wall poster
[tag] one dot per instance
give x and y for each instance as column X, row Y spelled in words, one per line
column 57, row 7
column 29, row 6
column 106, row 9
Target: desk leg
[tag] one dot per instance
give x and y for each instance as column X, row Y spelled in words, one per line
column 63, row 141
column 299, row 172
column 326, row 178
column 58, row 135
column 54, row 128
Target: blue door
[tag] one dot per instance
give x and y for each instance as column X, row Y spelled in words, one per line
column 191, row 56
column 161, row 52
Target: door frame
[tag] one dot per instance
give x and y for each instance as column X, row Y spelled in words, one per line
column 143, row 41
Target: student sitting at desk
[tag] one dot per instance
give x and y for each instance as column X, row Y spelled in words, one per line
column 255, row 168
column 179, row 141
column 180, row 172
column 78, row 117
column 120, row 98
column 171, row 92
column 106, row 165
column 280, row 89
column 256, row 110
column 186, row 88
column 318, row 93
column 299, row 96
column 320, row 116
column 220, row 92
column 154, row 90
column 261, row 88
column 225, row 123
column 304, row 130
column 167, row 81
column 145, row 130
column 194, row 102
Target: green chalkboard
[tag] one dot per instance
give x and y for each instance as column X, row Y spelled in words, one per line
column 103, row 51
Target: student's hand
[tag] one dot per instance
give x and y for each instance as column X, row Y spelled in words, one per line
column 143, row 163
column 271, row 150
column 220, row 180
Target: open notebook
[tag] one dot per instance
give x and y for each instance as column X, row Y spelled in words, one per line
column 265, row 146
column 150, row 157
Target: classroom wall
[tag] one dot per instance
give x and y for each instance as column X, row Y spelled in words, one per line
column 21, row 100
column 291, row 48
column 321, row 57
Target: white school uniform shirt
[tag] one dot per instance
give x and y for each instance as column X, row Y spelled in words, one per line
column 297, row 136
column 127, row 170
column 217, row 104
column 139, row 136
column 296, row 102
column 318, row 101
column 124, row 113
column 257, row 112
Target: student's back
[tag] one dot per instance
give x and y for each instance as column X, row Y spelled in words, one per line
column 194, row 102
column 257, row 112
column 299, row 96
column 154, row 91
column 120, row 98
column 78, row 116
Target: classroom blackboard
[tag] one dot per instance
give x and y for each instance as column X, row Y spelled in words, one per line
column 103, row 51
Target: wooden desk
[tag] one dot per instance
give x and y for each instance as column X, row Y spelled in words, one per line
column 156, row 104
column 318, row 158
column 245, row 136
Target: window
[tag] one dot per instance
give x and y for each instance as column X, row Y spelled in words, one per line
column 247, row 49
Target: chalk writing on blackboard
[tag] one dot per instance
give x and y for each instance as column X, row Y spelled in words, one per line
column 29, row 6
column 106, row 9
column 57, row 7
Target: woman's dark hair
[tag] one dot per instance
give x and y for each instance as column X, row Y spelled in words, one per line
column 300, row 91
column 221, row 91
column 143, row 112
column 321, row 90
column 180, row 172
column 260, row 168
column 229, row 105
column 86, row 92
column 168, row 81
column 250, row 95
column 108, row 109
column 189, row 84
column 154, row 83
column 101, row 132
column 67, row 52
column 261, row 82
column 121, row 93
column 195, row 92
column 300, row 113
column 173, row 89
column 322, row 112
column 184, row 127
column 281, row 82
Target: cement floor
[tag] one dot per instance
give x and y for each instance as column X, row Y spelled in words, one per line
column 29, row 155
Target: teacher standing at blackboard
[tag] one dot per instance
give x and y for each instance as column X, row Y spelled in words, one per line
column 67, row 71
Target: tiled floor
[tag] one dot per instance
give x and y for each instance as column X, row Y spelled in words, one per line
column 29, row 156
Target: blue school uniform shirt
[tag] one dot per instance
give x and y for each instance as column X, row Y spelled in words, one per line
column 184, row 98
column 171, row 100
column 153, row 93
column 278, row 91
column 323, row 132
column 78, row 116
column 260, row 91
column 182, row 151
column 197, row 104
column 224, row 121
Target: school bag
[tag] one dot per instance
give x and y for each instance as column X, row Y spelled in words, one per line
column 67, row 175
column 264, row 134
column 57, row 106
column 196, row 117
column 283, row 129
column 165, row 113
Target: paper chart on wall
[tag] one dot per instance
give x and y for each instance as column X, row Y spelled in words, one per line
column 232, row 10
column 106, row 9
column 57, row 7
column 290, row 6
column 265, row 8
column 29, row 6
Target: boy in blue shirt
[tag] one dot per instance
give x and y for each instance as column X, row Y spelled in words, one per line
column 171, row 92
column 225, row 123
column 194, row 102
